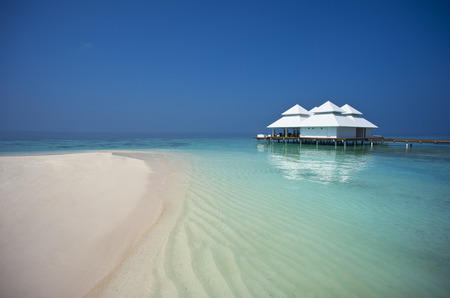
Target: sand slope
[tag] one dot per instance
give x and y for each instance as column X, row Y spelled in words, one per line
column 66, row 221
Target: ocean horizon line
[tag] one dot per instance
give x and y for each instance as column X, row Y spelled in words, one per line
column 32, row 135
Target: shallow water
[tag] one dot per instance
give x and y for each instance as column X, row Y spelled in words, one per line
column 284, row 220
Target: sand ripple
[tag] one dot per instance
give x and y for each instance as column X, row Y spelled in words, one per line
column 247, row 229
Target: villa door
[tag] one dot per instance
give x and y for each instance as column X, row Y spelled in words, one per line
column 360, row 132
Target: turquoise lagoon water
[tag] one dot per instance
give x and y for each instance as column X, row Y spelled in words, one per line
column 290, row 220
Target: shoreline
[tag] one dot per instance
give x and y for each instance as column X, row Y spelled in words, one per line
column 68, row 221
column 146, row 263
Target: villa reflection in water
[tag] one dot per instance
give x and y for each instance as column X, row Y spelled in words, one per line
column 323, row 165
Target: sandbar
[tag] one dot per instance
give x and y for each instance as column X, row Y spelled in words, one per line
column 68, row 220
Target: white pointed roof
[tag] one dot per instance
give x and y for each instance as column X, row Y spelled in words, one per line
column 313, row 110
column 329, row 107
column 327, row 115
column 336, row 120
column 296, row 110
column 361, row 122
column 288, row 121
column 327, row 119
column 349, row 110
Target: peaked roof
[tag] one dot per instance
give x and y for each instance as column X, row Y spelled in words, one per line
column 361, row 122
column 288, row 121
column 296, row 110
column 329, row 107
column 327, row 115
column 349, row 110
column 313, row 110
column 327, row 119
column 336, row 120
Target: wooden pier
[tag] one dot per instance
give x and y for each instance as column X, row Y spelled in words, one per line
column 347, row 141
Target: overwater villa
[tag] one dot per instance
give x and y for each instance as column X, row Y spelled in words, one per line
column 326, row 121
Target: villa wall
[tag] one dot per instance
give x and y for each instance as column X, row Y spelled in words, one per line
column 318, row 132
column 346, row 132
column 332, row 132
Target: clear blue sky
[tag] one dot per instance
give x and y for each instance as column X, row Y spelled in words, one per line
column 226, row 66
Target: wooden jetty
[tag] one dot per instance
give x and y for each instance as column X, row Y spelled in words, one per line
column 347, row 141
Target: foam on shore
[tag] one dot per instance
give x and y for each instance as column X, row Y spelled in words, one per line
column 67, row 221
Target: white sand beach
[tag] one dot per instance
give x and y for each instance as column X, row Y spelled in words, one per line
column 67, row 221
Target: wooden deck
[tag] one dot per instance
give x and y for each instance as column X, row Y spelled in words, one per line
column 390, row 140
column 354, row 141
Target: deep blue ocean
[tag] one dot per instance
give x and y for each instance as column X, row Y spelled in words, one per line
column 289, row 220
